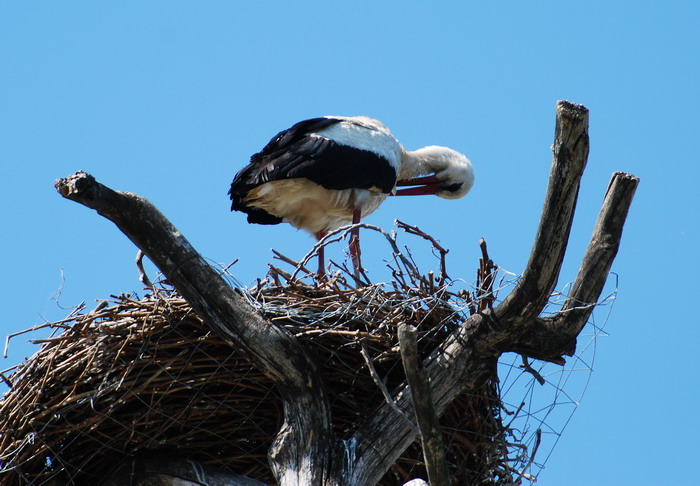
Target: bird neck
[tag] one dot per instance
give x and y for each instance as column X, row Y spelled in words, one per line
column 426, row 160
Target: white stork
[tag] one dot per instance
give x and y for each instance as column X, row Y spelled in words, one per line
column 323, row 173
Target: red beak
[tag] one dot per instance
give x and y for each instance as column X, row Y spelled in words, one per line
column 423, row 185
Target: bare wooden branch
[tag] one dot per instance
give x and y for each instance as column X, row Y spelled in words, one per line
column 427, row 419
column 414, row 230
column 601, row 251
column 305, row 450
column 556, row 336
column 305, row 438
column 143, row 278
column 529, row 369
column 570, row 154
column 485, row 279
column 452, row 368
column 468, row 357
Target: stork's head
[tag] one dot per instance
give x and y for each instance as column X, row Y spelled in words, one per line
column 451, row 173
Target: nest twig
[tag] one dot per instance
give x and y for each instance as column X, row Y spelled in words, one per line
column 147, row 374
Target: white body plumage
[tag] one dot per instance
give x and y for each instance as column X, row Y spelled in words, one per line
column 325, row 172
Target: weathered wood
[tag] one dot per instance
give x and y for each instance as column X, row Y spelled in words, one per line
column 468, row 357
column 305, row 450
column 426, row 418
column 299, row 454
column 384, row 436
column 600, row 253
column 569, row 158
column 552, row 337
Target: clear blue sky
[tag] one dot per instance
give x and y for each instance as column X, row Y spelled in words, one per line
column 169, row 99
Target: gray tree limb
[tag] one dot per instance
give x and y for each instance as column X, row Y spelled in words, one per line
column 300, row 453
column 426, row 418
column 555, row 336
column 469, row 356
column 305, row 450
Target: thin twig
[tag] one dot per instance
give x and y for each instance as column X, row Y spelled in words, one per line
column 526, row 366
column 225, row 269
column 485, row 279
column 286, row 259
column 538, row 441
column 414, row 230
column 143, row 278
column 71, row 317
column 6, row 380
column 340, row 233
column 387, row 396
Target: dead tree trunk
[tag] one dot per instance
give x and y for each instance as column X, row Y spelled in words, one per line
column 306, row 450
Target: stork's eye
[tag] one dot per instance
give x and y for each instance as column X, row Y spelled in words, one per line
column 452, row 187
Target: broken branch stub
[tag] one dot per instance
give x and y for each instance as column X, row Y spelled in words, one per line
column 423, row 405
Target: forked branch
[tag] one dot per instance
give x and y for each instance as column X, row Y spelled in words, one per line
column 305, row 450
column 468, row 357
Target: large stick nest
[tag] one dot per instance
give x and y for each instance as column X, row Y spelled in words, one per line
column 138, row 374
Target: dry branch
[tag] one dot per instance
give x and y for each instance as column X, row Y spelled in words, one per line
column 462, row 361
column 551, row 337
column 600, row 253
column 570, row 154
column 158, row 378
column 468, row 357
column 422, row 398
column 305, row 438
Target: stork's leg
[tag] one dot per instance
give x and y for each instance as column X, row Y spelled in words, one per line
column 355, row 243
column 321, row 260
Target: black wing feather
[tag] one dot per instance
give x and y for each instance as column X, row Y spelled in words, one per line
column 292, row 153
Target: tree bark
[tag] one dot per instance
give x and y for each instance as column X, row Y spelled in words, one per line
column 300, row 453
column 305, row 450
column 469, row 356
column 550, row 338
column 426, row 418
